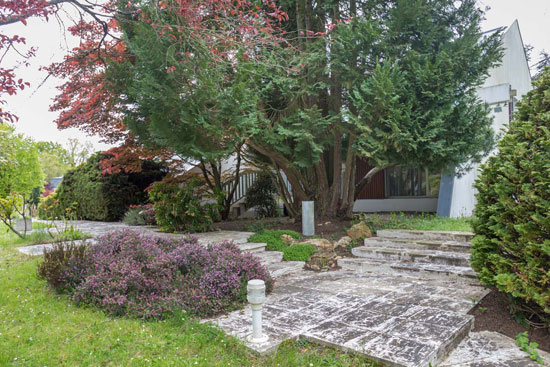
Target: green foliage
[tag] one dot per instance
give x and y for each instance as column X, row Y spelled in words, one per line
column 394, row 85
column 178, row 207
column 49, row 208
column 105, row 197
column 56, row 262
column 273, row 238
column 298, row 252
column 20, row 169
column 511, row 248
column 85, row 336
column 522, row 341
column 142, row 215
column 261, row 195
column 20, row 174
column 423, row 222
column 53, row 159
column 42, row 233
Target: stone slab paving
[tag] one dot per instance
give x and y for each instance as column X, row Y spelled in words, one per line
column 38, row 250
column 96, row 229
column 401, row 321
column 491, row 349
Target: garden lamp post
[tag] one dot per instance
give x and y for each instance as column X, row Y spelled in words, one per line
column 256, row 298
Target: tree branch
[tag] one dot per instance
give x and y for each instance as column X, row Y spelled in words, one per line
column 367, row 178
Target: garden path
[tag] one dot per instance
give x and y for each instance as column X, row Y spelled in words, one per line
column 409, row 319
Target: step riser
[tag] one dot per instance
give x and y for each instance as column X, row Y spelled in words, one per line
column 425, row 235
column 269, row 257
column 377, row 242
column 434, row 259
column 369, row 268
column 254, row 250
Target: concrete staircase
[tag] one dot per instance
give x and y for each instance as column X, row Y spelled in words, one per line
column 430, row 254
column 273, row 260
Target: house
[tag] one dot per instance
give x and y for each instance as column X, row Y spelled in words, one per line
column 418, row 190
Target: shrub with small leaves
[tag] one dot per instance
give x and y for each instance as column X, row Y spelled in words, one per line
column 298, row 252
column 140, row 215
column 260, row 195
column 63, row 267
column 178, row 207
column 511, row 247
column 128, row 273
column 529, row 347
column 273, row 238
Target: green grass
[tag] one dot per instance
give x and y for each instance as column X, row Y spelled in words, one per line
column 40, row 328
column 10, row 239
column 273, row 238
column 425, row 222
column 299, row 252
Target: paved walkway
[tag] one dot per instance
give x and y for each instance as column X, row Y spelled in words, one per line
column 401, row 321
column 96, row 229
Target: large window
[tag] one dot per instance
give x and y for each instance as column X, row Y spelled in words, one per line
column 415, row 182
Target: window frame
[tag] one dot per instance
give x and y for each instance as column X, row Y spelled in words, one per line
column 426, row 175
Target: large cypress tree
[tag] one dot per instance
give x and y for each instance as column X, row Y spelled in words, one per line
column 390, row 81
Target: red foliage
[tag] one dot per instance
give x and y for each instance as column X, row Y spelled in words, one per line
column 12, row 12
column 86, row 102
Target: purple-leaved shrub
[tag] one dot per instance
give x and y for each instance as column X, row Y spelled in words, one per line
column 128, row 273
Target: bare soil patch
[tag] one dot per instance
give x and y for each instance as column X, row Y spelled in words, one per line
column 493, row 314
column 329, row 229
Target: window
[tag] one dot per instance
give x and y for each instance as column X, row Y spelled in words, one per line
column 415, row 182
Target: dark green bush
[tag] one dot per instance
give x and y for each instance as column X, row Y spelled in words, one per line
column 178, row 207
column 105, row 197
column 299, row 252
column 511, row 248
column 273, row 238
column 63, row 267
column 260, row 195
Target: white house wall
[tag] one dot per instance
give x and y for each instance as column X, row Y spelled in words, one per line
column 508, row 81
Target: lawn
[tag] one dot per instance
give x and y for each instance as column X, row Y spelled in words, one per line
column 10, row 239
column 425, row 222
column 40, row 328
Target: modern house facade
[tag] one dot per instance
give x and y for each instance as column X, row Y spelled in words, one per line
column 417, row 190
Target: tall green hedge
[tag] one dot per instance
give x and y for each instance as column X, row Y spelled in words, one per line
column 106, row 197
column 511, row 248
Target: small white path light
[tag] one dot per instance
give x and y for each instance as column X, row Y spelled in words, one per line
column 308, row 218
column 256, row 298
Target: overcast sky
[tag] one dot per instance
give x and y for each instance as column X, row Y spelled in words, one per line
column 32, row 104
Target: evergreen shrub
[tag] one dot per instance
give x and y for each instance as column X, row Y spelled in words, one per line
column 179, row 206
column 105, row 197
column 511, row 247
column 260, row 195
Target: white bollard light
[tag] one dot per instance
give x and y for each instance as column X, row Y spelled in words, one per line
column 308, row 218
column 256, row 297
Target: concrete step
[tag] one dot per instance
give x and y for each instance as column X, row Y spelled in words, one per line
column 285, row 267
column 269, row 257
column 425, row 235
column 252, row 246
column 417, row 269
column 413, row 255
column 453, row 246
